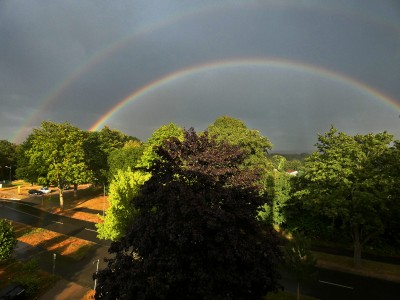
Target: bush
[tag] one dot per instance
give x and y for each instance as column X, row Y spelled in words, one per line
column 8, row 240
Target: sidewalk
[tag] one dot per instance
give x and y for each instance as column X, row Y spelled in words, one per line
column 64, row 290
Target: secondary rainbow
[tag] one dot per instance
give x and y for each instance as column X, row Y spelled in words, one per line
column 99, row 56
column 262, row 62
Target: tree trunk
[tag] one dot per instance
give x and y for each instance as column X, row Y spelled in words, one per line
column 357, row 246
column 75, row 190
column 61, row 199
column 298, row 290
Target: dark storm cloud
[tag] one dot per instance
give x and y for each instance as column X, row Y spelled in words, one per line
column 45, row 43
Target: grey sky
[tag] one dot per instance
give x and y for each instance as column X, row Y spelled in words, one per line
column 75, row 60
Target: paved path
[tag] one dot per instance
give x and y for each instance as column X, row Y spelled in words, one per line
column 64, row 290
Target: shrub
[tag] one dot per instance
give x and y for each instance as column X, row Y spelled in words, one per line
column 8, row 240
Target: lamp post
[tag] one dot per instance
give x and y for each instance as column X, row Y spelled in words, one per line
column 9, row 167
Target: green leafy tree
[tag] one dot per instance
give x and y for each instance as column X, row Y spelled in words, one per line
column 8, row 240
column 98, row 147
column 160, row 135
column 7, row 158
column 125, row 184
column 25, row 170
column 95, row 156
column 121, row 213
column 111, row 139
column 124, row 158
column 346, row 179
column 279, row 193
column 235, row 132
column 196, row 234
column 59, row 148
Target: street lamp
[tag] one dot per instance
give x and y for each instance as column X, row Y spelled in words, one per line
column 9, row 167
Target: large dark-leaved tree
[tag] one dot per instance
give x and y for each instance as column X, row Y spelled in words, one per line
column 196, row 234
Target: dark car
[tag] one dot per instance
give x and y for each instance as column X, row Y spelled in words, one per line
column 35, row 192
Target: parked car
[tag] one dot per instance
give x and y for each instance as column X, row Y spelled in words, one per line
column 45, row 189
column 35, row 192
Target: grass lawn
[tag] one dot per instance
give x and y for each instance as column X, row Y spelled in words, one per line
column 369, row 268
column 35, row 281
column 52, row 241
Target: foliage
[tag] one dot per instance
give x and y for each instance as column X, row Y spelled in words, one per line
column 160, row 135
column 279, row 193
column 7, row 158
column 124, row 158
column 346, row 179
column 25, row 170
column 196, row 234
column 120, row 214
column 98, row 147
column 59, row 148
column 8, row 240
column 126, row 184
column 235, row 132
column 95, row 157
column 111, row 139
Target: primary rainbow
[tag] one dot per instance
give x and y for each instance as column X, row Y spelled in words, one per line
column 247, row 62
column 51, row 96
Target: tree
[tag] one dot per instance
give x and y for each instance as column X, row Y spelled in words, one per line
column 59, row 148
column 8, row 240
column 120, row 214
column 126, row 183
column 235, row 132
column 158, row 137
column 25, row 170
column 346, row 179
column 98, row 147
column 124, row 158
column 279, row 183
column 7, row 158
column 196, row 234
column 111, row 139
column 255, row 147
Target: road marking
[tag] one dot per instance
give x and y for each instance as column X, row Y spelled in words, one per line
column 91, row 229
column 58, row 222
column 336, row 284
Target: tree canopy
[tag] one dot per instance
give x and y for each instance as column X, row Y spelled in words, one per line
column 59, row 149
column 7, row 158
column 196, row 234
column 235, row 132
column 126, row 181
column 346, row 179
column 124, row 158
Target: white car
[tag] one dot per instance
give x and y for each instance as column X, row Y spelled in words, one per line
column 45, row 189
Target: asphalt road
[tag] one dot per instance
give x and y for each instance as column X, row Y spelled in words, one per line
column 27, row 213
column 333, row 285
column 328, row 284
